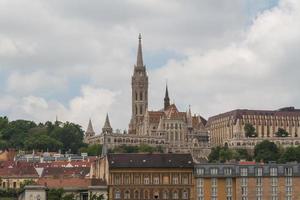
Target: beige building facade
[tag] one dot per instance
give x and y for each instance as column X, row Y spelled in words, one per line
column 228, row 128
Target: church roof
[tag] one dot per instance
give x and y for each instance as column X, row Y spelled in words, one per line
column 172, row 113
column 142, row 160
column 154, row 116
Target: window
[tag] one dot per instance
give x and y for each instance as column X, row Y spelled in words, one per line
column 227, row 171
column 258, row 171
column 288, row 171
column 141, row 95
column 136, row 194
column 228, row 182
column 200, row 171
column 146, row 194
column 141, row 109
column 200, row 182
column 156, row 180
column 127, row 194
column 214, row 182
column 259, row 181
column 137, row 179
column 127, row 180
column 146, row 180
column 14, row 184
column 244, row 181
column 165, row 194
column 175, row 179
column 273, row 171
column 274, row 181
column 175, row 194
column 185, row 194
column 244, row 171
column 214, row 171
column 185, row 180
column 288, row 181
column 117, row 180
column 117, row 194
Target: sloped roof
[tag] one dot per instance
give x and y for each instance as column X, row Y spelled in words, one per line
column 137, row 160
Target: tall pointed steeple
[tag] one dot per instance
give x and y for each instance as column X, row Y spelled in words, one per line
column 139, row 86
column 139, row 60
column 90, row 130
column 166, row 99
column 107, row 128
column 189, row 118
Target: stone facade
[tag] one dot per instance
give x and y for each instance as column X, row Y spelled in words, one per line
column 228, row 128
column 168, row 127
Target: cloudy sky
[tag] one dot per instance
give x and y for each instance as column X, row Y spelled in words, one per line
column 74, row 59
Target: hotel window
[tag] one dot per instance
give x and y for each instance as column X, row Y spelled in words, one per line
column 117, row 180
column 214, row 182
column 244, row 181
column 259, row 181
column 227, row 171
column 273, row 171
column 259, row 191
column 228, row 182
column 214, row 192
column 214, row 171
column 200, row 171
column 156, row 180
column 258, row 171
column 117, row 194
column 274, row 181
column 288, row 171
column 146, row 180
column 244, row 171
column 175, row 179
column 127, row 194
column 200, row 188
column 288, row 181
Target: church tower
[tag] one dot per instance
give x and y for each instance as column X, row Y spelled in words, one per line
column 166, row 99
column 139, row 86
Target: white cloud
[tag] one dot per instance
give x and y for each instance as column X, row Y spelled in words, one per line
column 52, row 49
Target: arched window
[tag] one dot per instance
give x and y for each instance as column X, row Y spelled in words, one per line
column 185, row 194
column 117, row 194
column 141, row 109
column 141, row 96
column 175, row 194
column 165, row 194
column 136, row 194
column 127, row 194
column 146, row 194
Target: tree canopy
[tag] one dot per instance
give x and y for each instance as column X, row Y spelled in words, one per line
column 27, row 135
column 249, row 130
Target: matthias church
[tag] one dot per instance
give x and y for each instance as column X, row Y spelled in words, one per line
column 173, row 130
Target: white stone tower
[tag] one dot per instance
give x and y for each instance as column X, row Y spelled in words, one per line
column 139, row 86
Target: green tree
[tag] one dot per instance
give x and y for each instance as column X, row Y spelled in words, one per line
column 281, row 133
column 249, row 130
column 290, row 154
column 266, row 151
column 225, row 154
column 96, row 197
column 55, row 194
column 214, row 154
column 92, row 150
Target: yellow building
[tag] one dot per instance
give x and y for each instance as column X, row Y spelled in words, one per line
column 247, row 181
column 147, row 176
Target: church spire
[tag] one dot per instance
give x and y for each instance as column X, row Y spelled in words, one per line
column 139, row 60
column 166, row 99
column 90, row 130
column 107, row 128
